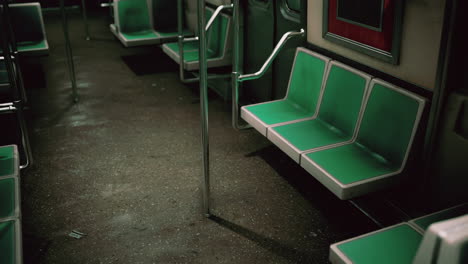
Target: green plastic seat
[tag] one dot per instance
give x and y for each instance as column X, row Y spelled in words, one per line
column 10, row 242
column 9, row 198
column 133, row 23
column 400, row 243
column 394, row 245
column 338, row 113
column 28, row 27
column 218, row 49
column 381, row 147
column 9, row 161
column 302, row 97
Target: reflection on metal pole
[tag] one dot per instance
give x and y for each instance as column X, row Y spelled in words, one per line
column 68, row 49
column 204, row 106
column 237, row 64
column 85, row 18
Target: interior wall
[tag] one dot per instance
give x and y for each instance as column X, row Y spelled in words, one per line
column 422, row 27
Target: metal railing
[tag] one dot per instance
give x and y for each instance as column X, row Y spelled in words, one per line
column 181, row 39
column 237, row 76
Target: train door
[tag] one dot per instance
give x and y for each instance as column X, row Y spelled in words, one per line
column 449, row 167
column 265, row 22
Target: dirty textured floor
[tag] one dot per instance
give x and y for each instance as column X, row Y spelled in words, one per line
column 123, row 166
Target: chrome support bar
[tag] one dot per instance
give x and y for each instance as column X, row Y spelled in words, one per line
column 181, row 39
column 191, row 39
column 69, row 52
column 237, row 63
column 107, row 4
column 205, row 136
column 269, row 61
column 237, row 75
column 85, row 19
column 216, row 13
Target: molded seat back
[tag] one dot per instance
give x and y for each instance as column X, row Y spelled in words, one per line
column 305, row 83
column 164, row 15
column 27, row 22
column 343, row 97
column 445, row 242
column 132, row 16
column 217, row 35
column 389, row 123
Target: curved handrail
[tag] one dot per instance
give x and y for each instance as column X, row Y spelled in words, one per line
column 274, row 53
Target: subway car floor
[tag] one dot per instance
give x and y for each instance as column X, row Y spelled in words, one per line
column 123, row 166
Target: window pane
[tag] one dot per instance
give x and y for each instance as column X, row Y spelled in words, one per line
column 363, row 12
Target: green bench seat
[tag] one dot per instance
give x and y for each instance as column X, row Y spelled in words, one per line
column 10, row 242
column 134, row 24
column 218, row 45
column 380, row 149
column 397, row 244
column 302, row 97
column 9, row 198
column 9, row 161
column 337, row 115
column 28, row 28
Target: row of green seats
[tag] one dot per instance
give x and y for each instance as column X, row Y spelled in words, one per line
column 135, row 22
column 438, row 238
column 140, row 22
column 28, row 28
column 10, row 208
column 348, row 130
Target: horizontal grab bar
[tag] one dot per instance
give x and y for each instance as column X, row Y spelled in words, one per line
column 269, row 61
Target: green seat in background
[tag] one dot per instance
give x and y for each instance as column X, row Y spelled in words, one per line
column 218, row 49
column 301, row 100
column 29, row 30
column 397, row 244
column 133, row 23
column 394, row 245
column 337, row 116
column 9, row 161
column 381, row 148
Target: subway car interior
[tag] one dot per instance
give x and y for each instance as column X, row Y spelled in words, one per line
column 243, row 131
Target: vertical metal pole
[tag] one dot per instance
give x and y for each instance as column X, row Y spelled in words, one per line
column 237, row 64
column 68, row 50
column 24, row 135
column 204, row 106
column 85, row 18
column 180, row 37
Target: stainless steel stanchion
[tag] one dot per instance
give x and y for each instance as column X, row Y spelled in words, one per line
column 85, row 19
column 204, row 107
column 68, row 50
